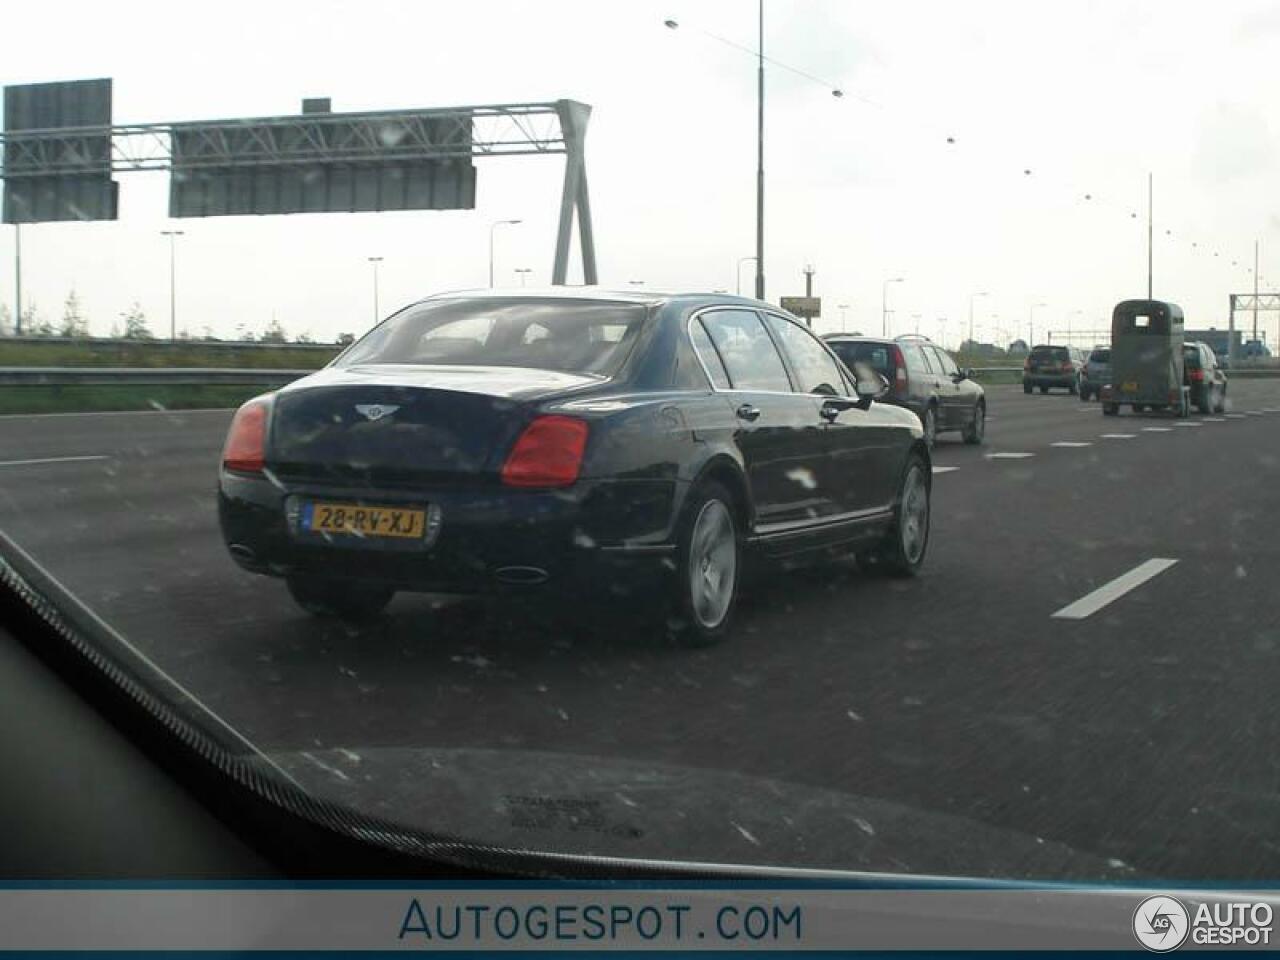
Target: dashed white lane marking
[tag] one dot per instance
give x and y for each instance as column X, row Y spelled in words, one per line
column 1157, row 429
column 1071, row 443
column 1187, row 423
column 938, row 470
column 1212, row 420
column 1118, row 436
column 1253, row 413
column 1009, row 456
column 1271, row 409
column 1091, row 603
column 27, row 463
column 1235, row 416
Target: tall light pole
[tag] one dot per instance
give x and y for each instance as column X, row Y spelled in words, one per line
column 842, row 307
column 1255, row 290
column 973, row 297
column 1073, row 313
column 524, row 272
column 17, row 279
column 635, row 283
column 492, row 227
column 173, row 236
column 884, row 304
column 1031, row 324
column 760, row 160
column 738, row 272
column 1150, row 222
column 376, row 312
column 916, row 318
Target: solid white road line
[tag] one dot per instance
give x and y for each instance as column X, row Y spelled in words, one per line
column 938, row 470
column 1118, row 436
column 1071, row 443
column 1093, row 602
column 27, row 463
column 113, row 413
column 1157, row 429
column 1009, row 456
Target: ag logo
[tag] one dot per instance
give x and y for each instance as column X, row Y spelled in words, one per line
column 1161, row 923
column 375, row 411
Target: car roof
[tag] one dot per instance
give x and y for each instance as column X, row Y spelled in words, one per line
column 601, row 295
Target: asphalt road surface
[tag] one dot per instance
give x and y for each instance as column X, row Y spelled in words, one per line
column 1141, row 726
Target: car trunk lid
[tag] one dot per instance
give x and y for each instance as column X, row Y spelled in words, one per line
column 394, row 425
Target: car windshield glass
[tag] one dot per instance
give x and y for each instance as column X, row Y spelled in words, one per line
column 575, row 337
column 464, row 413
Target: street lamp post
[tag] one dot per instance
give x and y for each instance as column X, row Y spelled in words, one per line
column 1031, row 324
column 738, row 272
column 842, row 307
column 524, row 272
column 376, row 312
column 173, row 280
column 972, row 297
column 635, row 283
column 884, row 304
column 492, row 227
column 17, row 279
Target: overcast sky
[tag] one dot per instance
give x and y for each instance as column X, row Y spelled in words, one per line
column 1088, row 96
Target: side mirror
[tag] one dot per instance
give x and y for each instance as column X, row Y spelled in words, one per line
column 833, row 407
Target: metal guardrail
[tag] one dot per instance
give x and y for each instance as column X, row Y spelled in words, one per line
column 1243, row 373
column 140, row 376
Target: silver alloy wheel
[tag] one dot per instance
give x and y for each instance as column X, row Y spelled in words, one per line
column 913, row 521
column 980, row 421
column 713, row 564
column 930, row 425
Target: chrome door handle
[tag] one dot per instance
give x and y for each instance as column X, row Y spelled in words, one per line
column 748, row 412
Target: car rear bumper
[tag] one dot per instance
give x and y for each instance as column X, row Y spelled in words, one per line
column 1049, row 380
column 489, row 539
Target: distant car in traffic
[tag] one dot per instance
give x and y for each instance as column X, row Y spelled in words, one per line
column 1096, row 374
column 584, row 443
column 923, row 378
column 1049, row 368
column 1205, row 378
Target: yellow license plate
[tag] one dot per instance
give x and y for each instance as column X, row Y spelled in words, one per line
column 363, row 521
column 1131, row 386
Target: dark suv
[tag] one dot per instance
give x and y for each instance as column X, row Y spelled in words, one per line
column 1205, row 377
column 1047, row 367
column 923, row 378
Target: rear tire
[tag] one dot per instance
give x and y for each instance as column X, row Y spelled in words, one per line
column 1044, row 389
column 1084, row 395
column 1139, row 408
column 1073, row 387
column 1205, row 403
column 977, row 428
column 708, row 568
column 903, row 552
column 1221, row 405
column 1110, row 409
column 1026, row 387
column 341, row 599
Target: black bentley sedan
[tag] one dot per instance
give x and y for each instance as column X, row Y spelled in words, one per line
column 574, row 441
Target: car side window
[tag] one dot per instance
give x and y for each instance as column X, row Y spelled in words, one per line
column 816, row 370
column 750, row 357
column 944, row 361
column 706, row 351
column 914, row 356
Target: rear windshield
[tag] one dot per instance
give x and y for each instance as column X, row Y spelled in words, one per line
column 1191, row 356
column 1145, row 321
column 567, row 335
column 1100, row 356
column 878, row 355
column 1050, row 353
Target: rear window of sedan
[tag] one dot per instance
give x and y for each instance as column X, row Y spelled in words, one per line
column 1100, row 356
column 571, row 336
column 877, row 355
column 1050, row 353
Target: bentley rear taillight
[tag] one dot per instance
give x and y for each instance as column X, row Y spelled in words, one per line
column 547, row 454
column 246, row 446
